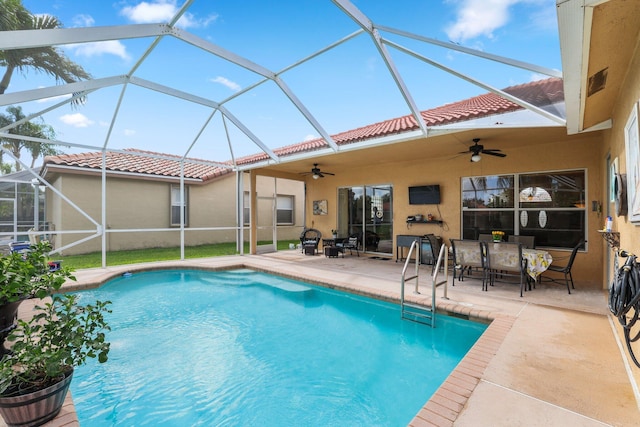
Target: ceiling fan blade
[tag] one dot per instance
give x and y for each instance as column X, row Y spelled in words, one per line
column 494, row 153
column 328, row 173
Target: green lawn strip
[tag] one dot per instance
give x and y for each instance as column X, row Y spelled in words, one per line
column 94, row 259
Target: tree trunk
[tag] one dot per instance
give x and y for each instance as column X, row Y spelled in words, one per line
column 4, row 83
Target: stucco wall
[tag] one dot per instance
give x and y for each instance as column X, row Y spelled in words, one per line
column 135, row 204
column 615, row 145
column 145, row 204
column 562, row 153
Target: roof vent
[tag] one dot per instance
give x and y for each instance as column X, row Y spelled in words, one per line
column 597, row 81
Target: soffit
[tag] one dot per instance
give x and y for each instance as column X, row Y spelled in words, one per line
column 445, row 148
column 614, row 36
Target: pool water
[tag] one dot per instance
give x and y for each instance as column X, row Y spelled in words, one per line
column 241, row 348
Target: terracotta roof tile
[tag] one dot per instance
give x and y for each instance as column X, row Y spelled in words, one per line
column 132, row 162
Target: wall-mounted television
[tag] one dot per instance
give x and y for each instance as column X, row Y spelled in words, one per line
column 424, row 195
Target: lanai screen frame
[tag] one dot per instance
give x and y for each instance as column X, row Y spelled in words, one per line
column 157, row 32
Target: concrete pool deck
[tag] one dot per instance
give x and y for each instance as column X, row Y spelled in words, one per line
column 547, row 359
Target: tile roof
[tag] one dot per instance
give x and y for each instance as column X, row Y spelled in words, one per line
column 539, row 93
column 133, row 162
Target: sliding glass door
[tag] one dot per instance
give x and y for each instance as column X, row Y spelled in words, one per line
column 367, row 212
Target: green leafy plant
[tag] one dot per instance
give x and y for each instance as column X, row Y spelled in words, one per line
column 60, row 336
column 26, row 275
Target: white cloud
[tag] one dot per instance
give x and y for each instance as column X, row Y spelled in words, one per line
column 163, row 11
column 129, row 132
column 310, row 137
column 77, row 120
column 83, row 20
column 111, row 47
column 226, row 82
column 479, row 18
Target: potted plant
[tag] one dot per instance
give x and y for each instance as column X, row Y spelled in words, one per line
column 25, row 275
column 36, row 372
column 334, row 233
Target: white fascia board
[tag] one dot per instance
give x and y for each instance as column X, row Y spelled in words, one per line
column 24, row 39
column 573, row 23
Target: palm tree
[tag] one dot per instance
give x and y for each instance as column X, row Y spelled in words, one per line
column 47, row 59
column 28, row 128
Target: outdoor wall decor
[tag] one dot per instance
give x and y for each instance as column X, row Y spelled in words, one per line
column 632, row 146
column 613, row 170
column 320, row 207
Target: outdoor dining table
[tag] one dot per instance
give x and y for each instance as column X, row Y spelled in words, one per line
column 537, row 261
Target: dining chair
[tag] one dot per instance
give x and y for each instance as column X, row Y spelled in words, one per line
column 485, row 237
column 467, row 254
column 564, row 269
column 504, row 259
column 528, row 242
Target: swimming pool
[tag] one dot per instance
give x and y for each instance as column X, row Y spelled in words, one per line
column 241, row 347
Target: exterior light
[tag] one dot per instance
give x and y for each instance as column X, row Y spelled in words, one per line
column 475, row 158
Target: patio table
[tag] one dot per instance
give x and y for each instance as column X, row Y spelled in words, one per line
column 537, row 261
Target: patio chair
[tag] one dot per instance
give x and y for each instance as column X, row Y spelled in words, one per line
column 19, row 247
column 310, row 239
column 565, row 269
column 504, row 259
column 467, row 254
column 435, row 245
column 351, row 243
column 528, row 242
column 485, row 237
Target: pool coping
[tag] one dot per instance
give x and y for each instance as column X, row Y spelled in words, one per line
column 442, row 408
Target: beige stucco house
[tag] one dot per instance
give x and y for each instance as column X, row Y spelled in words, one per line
column 142, row 202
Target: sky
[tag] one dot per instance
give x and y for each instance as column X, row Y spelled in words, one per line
column 345, row 88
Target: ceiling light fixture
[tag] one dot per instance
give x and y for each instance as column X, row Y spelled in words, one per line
column 475, row 158
column 316, row 176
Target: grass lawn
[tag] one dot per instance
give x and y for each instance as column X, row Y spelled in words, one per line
column 94, row 259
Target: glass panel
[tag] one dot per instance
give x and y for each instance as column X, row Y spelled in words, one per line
column 350, row 211
column 6, row 216
column 367, row 212
column 175, row 205
column 378, row 235
column 475, row 223
column 564, row 189
column 563, row 228
column 488, row 192
column 284, row 214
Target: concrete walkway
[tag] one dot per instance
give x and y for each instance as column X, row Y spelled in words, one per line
column 547, row 359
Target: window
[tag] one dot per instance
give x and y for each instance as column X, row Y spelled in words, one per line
column 175, row 205
column 246, row 208
column 284, row 210
column 547, row 205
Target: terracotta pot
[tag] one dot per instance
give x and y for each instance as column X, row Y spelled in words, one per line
column 35, row 408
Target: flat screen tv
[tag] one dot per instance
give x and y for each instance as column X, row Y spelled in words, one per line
column 424, row 195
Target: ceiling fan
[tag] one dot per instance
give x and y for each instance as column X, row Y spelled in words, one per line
column 316, row 172
column 477, row 149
